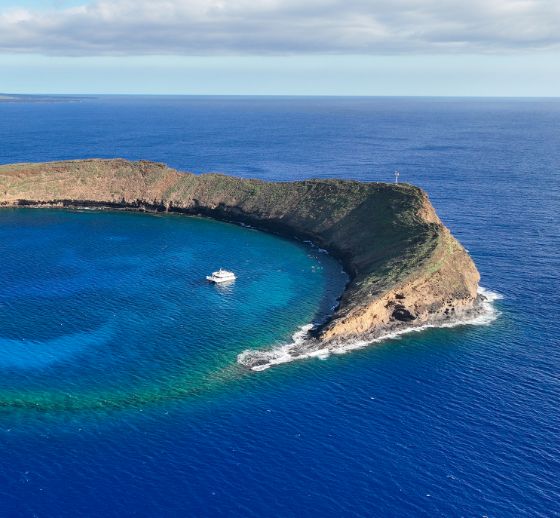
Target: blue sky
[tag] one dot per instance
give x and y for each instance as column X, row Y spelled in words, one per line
column 322, row 47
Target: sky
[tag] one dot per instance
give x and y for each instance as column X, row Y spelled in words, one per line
column 281, row 47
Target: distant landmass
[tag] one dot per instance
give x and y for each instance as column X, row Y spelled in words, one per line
column 29, row 98
column 406, row 269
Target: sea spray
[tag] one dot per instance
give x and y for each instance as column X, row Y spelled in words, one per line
column 304, row 347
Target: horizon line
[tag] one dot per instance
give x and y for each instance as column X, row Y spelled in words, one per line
column 419, row 96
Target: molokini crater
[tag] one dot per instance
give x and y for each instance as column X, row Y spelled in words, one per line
column 406, row 270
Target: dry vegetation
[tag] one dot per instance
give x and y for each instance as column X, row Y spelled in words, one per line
column 405, row 266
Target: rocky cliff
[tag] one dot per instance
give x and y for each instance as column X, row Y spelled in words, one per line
column 406, row 268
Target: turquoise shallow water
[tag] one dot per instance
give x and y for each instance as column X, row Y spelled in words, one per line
column 108, row 310
column 448, row 422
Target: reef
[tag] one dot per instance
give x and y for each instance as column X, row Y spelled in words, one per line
column 406, row 270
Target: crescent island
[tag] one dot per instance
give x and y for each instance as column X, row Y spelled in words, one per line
column 406, row 270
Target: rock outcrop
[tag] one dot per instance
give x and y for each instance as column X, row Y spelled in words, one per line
column 405, row 267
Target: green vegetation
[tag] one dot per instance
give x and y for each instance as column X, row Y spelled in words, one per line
column 387, row 236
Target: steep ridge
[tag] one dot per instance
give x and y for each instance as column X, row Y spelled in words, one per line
column 406, row 269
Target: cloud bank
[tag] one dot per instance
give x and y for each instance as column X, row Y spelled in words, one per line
column 283, row 27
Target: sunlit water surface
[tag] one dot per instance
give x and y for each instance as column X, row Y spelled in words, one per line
column 119, row 388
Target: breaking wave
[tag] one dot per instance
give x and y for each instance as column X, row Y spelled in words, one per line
column 302, row 347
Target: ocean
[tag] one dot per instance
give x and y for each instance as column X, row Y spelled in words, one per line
column 120, row 394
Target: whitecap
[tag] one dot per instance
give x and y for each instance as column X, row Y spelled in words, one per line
column 302, row 347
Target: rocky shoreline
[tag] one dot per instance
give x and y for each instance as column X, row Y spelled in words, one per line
column 306, row 345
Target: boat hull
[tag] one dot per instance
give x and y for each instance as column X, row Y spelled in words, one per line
column 219, row 281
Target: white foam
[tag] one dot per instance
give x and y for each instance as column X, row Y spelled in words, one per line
column 295, row 350
column 490, row 295
column 276, row 355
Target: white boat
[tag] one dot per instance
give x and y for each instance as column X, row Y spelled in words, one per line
column 221, row 276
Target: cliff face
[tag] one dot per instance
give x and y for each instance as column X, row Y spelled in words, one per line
column 406, row 268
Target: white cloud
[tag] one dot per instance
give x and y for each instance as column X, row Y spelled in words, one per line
column 237, row 27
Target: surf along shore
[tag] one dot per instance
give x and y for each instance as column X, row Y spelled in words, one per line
column 406, row 270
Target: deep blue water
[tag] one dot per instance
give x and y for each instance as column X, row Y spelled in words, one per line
column 449, row 422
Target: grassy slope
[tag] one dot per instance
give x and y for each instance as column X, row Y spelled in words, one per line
column 385, row 234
